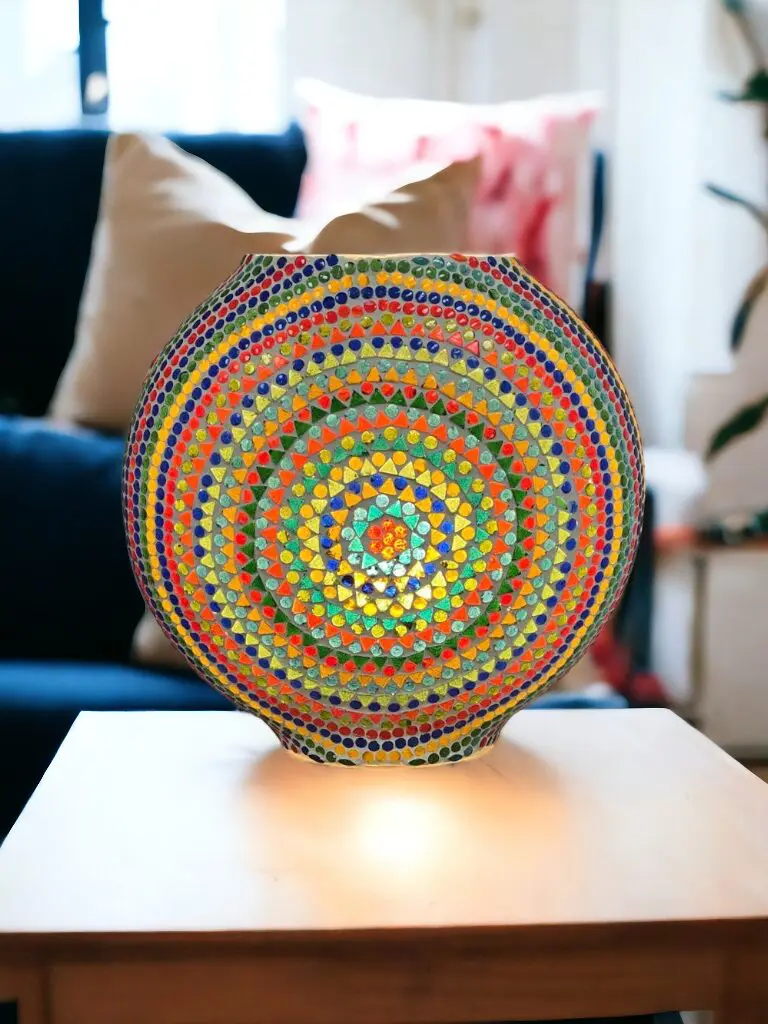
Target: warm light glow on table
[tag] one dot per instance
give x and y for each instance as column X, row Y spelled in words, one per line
column 592, row 863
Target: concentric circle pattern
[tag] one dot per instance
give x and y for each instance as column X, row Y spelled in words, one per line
column 382, row 502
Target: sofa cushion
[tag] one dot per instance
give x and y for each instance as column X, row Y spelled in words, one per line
column 608, row 700
column 72, row 687
column 68, row 590
column 171, row 228
column 52, row 182
column 535, row 162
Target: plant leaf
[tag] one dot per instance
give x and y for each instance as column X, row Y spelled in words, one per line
column 755, row 90
column 744, row 421
column 756, row 211
column 756, row 288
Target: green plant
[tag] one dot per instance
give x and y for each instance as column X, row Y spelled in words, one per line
column 754, row 90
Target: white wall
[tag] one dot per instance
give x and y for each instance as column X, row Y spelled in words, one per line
column 655, row 180
column 734, row 704
column 517, row 50
column 729, row 245
column 468, row 50
column 681, row 258
column 11, row 21
column 392, row 48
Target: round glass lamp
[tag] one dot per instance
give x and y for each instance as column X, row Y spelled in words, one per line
column 382, row 502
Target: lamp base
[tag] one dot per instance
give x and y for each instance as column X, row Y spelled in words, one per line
column 397, row 751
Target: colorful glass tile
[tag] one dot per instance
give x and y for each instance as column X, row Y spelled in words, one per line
column 382, row 502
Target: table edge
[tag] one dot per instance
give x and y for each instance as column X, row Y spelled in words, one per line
column 529, row 938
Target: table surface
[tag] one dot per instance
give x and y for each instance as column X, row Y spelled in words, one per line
column 199, row 823
column 180, row 867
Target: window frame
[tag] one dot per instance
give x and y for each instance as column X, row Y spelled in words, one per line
column 92, row 56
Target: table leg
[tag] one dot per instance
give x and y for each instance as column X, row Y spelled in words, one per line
column 26, row 987
column 745, row 989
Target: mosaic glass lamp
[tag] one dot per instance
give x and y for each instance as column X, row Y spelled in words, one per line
column 382, row 503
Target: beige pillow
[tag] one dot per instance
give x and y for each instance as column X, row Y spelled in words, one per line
column 430, row 213
column 152, row 647
column 170, row 229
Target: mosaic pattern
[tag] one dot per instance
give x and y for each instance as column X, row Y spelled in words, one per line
column 382, row 502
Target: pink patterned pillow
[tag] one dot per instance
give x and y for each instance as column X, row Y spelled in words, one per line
column 535, row 159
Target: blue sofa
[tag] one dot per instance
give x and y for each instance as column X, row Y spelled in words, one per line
column 68, row 601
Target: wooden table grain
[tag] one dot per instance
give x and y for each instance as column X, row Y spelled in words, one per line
column 180, row 868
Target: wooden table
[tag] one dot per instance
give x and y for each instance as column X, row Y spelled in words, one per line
column 179, row 868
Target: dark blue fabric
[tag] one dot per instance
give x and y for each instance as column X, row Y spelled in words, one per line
column 576, row 701
column 30, row 688
column 50, row 182
column 598, row 220
column 66, row 590
column 634, row 617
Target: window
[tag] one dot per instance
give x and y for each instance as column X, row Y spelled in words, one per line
column 195, row 65
column 38, row 64
column 172, row 65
